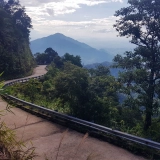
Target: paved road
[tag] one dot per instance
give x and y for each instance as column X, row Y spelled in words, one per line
column 46, row 137
column 38, row 71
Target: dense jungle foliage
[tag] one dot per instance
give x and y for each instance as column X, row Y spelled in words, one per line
column 92, row 95
column 16, row 59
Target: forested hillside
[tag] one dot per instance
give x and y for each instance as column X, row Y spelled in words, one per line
column 16, row 59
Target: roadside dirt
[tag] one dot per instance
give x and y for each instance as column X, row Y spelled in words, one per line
column 47, row 137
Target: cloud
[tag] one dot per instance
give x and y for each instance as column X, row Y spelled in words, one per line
column 83, row 28
column 59, row 7
column 50, row 11
column 52, row 16
column 103, row 30
column 43, row 12
column 103, row 22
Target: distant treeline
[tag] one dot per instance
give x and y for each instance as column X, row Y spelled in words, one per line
column 50, row 55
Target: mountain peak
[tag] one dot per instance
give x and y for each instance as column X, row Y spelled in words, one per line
column 59, row 34
column 63, row 44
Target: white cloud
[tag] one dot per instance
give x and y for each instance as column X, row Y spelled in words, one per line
column 59, row 7
column 91, row 28
column 45, row 16
column 103, row 22
column 43, row 12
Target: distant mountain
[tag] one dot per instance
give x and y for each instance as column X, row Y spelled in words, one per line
column 114, row 71
column 94, row 65
column 62, row 44
column 115, row 51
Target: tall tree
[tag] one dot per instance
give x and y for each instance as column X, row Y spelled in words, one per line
column 76, row 60
column 20, row 18
column 16, row 58
column 141, row 22
column 71, row 87
column 47, row 57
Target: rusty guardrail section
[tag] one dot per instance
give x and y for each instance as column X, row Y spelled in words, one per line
column 79, row 122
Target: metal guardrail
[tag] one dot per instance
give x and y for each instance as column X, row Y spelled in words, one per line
column 91, row 126
column 69, row 119
column 22, row 80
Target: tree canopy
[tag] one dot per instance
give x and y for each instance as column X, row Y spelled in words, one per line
column 16, row 58
column 50, row 56
column 47, row 57
column 76, row 60
column 141, row 22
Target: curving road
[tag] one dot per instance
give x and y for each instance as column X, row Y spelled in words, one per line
column 38, row 71
column 47, row 136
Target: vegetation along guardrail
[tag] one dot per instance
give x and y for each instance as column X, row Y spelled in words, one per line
column 66, row 119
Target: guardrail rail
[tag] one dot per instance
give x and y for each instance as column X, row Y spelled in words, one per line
column 22, row 80
column 99, row 129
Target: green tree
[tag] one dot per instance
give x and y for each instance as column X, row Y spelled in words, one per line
column 16, row 58
column 40, row 58
column 71, row 87
column 104, row 87
column 141, row 22
column 76, row 60
column 51, row 54
column 47, row 57
column 31, row 89
column 58, row 62
column 20, row 18
column 100, row 70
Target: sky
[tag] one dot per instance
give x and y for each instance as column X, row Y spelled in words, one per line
column 88, row 21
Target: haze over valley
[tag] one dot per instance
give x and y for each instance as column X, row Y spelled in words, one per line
column 63, row 44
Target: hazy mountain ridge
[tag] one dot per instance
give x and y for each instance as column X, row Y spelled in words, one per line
column 63, row 44
column 114, row 71
column 115, row 51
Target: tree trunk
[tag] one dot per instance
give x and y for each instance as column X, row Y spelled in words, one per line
column 148, row 119
column 149, row 104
